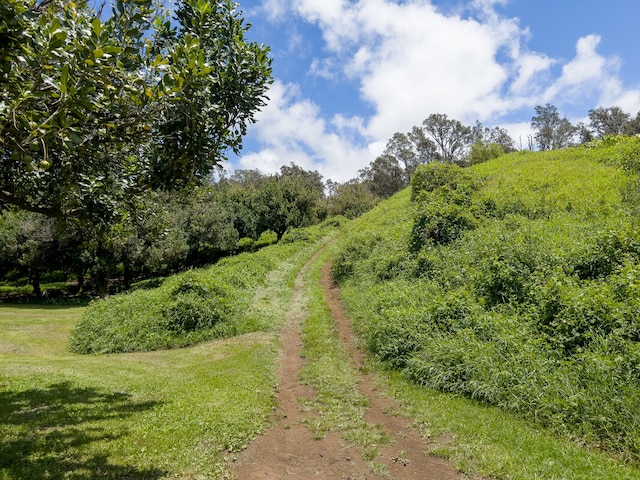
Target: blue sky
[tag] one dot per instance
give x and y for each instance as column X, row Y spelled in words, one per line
column 350, row 73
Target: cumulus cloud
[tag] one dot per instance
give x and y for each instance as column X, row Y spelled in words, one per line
column 292, row 129
column 409, row 59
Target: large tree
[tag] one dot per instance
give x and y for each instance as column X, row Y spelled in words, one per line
column 608, row 121
column 96, row 108
column 451, row 136
column 552, row 131
column 384, row 176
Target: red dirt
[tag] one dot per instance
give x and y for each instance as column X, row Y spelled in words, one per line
column 289, row 449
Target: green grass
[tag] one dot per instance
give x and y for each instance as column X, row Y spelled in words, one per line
column 478, row 439
column 180, row 413
column 485, row 441
column 143, row 416
column 194, row 306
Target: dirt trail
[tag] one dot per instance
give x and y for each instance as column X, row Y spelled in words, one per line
column 289, row 449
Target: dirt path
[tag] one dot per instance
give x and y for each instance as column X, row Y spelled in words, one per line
column 289, row 449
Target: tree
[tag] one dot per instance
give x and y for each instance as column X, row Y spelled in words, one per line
column 450, row 136
column 501, row 137
column 284, row 202
column 608, row 121
column 403, row 150
column 483, row 151
column 311, row 179
column 585, row 134
column 633, row 127
column 425, row 149
column 94, row 110
column 384, row 176
column 552, row 132
column 351, row 199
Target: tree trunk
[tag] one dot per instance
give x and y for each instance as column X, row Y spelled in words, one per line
column 100, row 280
column 35, row 282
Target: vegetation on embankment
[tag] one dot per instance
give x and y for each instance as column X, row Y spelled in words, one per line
column 198, row 305
column 515, row 282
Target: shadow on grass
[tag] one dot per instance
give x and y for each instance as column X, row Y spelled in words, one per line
column 57, row 432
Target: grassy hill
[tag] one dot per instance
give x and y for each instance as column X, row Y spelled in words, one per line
column 515, row 282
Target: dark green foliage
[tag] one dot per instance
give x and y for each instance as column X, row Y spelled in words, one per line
column 611, row 249
column 350, row 199
column 440, row 222
column 98, row 108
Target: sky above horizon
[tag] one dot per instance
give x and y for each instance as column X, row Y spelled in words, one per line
column 350, row 73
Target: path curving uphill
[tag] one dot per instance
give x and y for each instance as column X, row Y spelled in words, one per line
column 290, row 449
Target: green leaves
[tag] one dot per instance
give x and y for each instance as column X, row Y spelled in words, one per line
column 90, row 91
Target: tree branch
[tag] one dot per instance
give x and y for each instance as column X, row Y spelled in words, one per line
column 11, row 199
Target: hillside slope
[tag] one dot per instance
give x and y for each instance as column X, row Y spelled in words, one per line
column 515, row 282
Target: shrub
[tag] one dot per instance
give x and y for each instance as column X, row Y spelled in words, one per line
column 195, row 304
column 444, row 209
column 609, row 250
column 356, row 250
column 440, row 223
column 436, row 175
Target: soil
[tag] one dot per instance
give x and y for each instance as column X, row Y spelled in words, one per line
column 290, row 450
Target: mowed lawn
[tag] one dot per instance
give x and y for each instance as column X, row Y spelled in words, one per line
column 177, row 413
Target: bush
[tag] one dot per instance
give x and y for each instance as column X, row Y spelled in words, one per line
column 197, row 305
column 440, row 223
column 444, row 176
column 443, row 195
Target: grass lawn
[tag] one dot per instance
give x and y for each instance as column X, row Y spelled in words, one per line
column 175, row 413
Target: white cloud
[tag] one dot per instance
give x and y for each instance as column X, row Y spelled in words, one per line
column 323, row 68
column 585, row 75
column 291, row 129
column 531, row 69
column 410, row 60
column 275, row 10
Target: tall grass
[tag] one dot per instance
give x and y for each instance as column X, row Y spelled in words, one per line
column 522, row 291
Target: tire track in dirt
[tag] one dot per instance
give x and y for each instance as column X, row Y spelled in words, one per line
column 289, row 450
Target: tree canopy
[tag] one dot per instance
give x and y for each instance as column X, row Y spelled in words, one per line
column 96, row 109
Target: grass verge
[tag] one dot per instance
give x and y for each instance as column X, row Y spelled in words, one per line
column 484, row 440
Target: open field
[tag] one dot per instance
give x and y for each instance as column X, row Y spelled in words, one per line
column 138, row 416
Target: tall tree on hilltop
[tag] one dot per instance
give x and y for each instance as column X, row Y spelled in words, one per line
column 608, row 121
column 450, row 135
column 552, row 132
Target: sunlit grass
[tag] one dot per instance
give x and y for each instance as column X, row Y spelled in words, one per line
column 483, row 440
column 148, row 415
column 532, row 306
